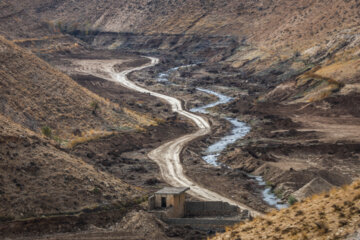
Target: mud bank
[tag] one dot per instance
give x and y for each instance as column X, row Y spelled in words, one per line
column 239, row 130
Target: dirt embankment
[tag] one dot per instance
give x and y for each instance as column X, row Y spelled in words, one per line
column 291, row 144
column 302, row 128
column 121, row 155
column 333, row 215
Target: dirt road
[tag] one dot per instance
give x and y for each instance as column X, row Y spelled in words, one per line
column 167, row 156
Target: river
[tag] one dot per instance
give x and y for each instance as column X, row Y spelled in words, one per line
column 239, row 130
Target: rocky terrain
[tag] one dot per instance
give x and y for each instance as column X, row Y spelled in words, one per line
column 291, row 67
column 39, row 179
column 333, row 215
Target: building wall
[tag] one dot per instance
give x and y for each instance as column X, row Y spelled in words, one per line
column 203, row 224
column 151, row 202
column 210, row 209
column 174, row 203
column 179, row 206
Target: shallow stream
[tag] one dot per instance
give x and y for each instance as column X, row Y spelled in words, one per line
column 239, row 130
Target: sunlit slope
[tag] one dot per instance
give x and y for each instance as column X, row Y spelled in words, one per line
column 37, row 179
column 333, row 215
column 36, row 95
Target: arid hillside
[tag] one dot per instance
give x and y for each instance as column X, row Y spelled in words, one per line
column 333, row 215
column 278, row 23
column 74, row 143
column 40, row 108
column 41, row 98
column 37, row 179
column 268, row 32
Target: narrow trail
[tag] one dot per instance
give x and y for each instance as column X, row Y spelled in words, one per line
column 167, row 156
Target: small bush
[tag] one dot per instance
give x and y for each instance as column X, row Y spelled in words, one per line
column 322, row 226
column 94, row 106
column 46, row 131
column 152, row 181
column 299, row 213
column 96, row 191
column 279, row 193
column 292, row 200
column 6, row 219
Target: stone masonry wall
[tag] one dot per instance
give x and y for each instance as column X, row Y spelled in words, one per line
column 210, row 209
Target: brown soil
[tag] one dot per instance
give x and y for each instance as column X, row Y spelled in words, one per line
column 136, row 224
column 125, row 155
column 292, row 144
column 36, row 95
column 118, row 156
column 334, row 215
column 38, row 178
column 233, row 183
column 293, row 67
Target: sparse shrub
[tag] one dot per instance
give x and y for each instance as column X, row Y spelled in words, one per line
column 139, row 169
column 343, row 223
column 336, row 208
column 322, row 215
column 96, row 191
column 46, row 131
column 6, row 218
column 279, row 193
column 58, row 139
column 269, row 184
column 292, row 200
column 357, row 197
column 94, row 106
column 152, row 181
column 322, row 226
column 299, row 213
column 297, row 54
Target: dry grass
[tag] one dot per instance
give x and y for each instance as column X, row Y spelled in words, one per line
column 22, row 40
column 55, row 182
column 313, row 87
column 143, row 119
column 332, row 215
column 87, row 137
column 342, row 71
column 32, row 89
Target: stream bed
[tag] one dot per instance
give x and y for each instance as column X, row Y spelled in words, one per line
column 239, row 130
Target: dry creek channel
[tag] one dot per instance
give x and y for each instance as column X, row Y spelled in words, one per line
column 239, row 130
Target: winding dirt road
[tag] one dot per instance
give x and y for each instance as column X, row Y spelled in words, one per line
column 167, row 156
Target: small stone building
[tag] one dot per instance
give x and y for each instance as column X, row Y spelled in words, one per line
column 171, row 199
column 169, row 205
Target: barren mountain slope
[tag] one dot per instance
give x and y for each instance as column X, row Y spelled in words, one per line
column 278, row 23
column 291, row 66
column 35, row 95
column 334, row 215
column 38, row 179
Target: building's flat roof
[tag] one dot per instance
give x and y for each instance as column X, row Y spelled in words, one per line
column 172, row 190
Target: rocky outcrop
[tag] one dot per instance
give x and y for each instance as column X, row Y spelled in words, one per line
column 315, row 186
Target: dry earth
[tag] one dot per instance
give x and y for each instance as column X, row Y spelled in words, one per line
column 333, row 215
column 292, row 67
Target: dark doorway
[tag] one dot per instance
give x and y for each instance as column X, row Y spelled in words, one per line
column 163, row 202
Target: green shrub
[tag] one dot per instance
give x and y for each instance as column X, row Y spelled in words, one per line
column 96, row 191
column 292, row 200
column 279, row 193
column 94, row 106
column 46, row 131
column 6, row 218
